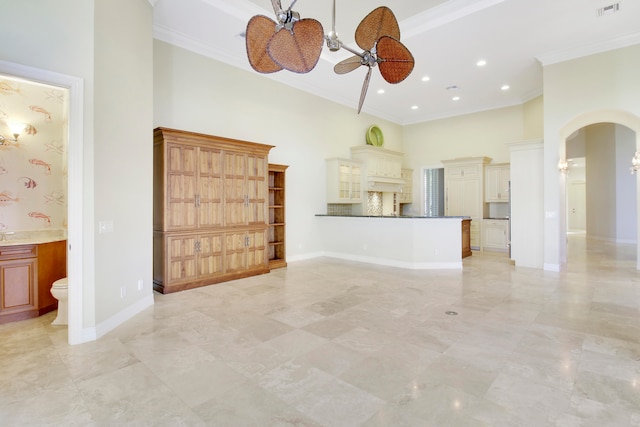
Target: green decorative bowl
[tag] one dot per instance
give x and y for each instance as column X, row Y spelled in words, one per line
column 374, row 136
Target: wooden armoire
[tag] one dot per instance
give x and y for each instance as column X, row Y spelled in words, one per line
column 210, row 209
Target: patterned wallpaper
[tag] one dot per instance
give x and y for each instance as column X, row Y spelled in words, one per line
column 33, row 172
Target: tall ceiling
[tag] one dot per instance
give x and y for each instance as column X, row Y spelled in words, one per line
column 446, row 37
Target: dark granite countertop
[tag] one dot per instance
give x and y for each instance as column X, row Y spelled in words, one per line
column 394, row 216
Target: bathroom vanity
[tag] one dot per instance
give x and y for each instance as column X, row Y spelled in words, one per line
column 27, row 271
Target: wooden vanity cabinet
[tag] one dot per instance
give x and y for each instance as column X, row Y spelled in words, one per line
column 210, row 209
column 18, row 278
column 27, row 273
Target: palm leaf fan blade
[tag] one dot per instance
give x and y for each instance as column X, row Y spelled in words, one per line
column 394, row 59
column 380, row 22
column 365, row 87
column 259, row 32
column 347, row 65
column 297, row 50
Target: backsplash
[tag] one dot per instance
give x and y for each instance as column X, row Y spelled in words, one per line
column 33, row 170
column 374, row 203
column 339, row 209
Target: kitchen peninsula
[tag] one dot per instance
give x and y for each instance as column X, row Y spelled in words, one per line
column 413, row 242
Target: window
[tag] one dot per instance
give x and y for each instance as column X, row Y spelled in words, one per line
column 433, row 186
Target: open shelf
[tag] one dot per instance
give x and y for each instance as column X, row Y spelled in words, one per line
column 276, row 231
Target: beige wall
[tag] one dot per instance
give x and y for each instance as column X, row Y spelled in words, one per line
column 533, row 118
column 79, row 39
column 124, row 155
column 592, row 89
column 195, row 93
column 473, row 135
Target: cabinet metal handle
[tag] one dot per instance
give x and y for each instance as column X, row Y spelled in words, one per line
column 197, row 246
column 197, row 200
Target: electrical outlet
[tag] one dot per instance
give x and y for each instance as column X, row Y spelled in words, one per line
column 140, row 284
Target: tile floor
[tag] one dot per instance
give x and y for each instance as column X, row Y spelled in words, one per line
column 334, row 343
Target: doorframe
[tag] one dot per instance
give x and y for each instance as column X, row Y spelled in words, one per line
column 75, row 188
column 620, row 117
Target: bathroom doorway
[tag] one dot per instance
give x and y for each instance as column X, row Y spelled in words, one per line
column 69, row 89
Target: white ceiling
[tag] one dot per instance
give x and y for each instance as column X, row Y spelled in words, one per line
column 446, row 37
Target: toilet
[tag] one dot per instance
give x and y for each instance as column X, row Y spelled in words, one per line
column 60, row 292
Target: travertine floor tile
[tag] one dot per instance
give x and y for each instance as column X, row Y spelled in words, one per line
column 331, row 343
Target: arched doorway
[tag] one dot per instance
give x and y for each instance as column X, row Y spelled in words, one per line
column 623, row 118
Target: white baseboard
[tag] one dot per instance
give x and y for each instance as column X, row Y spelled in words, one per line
column 551, row 267
column 121, row 317
column 396, row 263
column 304, row 257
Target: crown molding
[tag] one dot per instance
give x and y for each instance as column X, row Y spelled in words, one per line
column 442, row 14
column 589, row 49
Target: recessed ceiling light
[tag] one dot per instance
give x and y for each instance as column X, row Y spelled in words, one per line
column 481, row 63
column 505, row 87
column 426, row 78
column 380, row 91
column 414, row 107
column 456, row 98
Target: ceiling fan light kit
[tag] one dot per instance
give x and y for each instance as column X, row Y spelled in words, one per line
column 295, row 44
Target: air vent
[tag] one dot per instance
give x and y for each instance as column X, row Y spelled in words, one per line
column 608, row 10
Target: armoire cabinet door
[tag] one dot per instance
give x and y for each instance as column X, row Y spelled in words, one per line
column 235, row 252
column 181, row 258
column 256, row 189
column 256, row 248
column 181, row 192
column 210, row 255
column 235, row 166
column 209, row 203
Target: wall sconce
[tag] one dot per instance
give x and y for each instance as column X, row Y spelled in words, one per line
column 635, row 163
column 563, row 166
column 16, row 129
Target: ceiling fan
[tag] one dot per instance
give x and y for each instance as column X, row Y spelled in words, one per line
column 292, row 43
column 378, row 34
column 270, row 49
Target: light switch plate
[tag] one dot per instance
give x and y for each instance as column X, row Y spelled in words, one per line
column 105, row 227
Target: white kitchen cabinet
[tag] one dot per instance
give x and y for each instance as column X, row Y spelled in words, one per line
column 344, row 181
column 379, row 162
column 497, row 183
column 464, row 192
column 407, row 189
column 495, row 234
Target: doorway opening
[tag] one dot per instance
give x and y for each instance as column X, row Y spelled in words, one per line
column 72, row 108
column 599, row 196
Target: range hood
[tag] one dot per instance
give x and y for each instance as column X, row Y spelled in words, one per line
column 384, row 185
